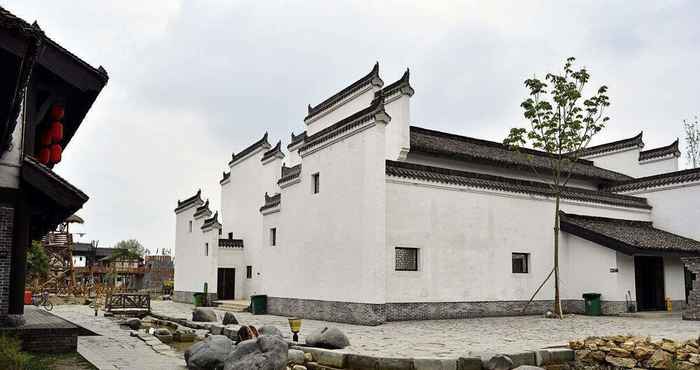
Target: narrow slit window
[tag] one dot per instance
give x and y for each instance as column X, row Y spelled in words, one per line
column 230, row 235
column 315, row 183
column 206, row 249
column 249, row 272
column 521, row 263
column 190, row 226
column 406, row 259
column 273, row 236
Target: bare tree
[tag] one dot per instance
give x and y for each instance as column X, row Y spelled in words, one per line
column 692, row 142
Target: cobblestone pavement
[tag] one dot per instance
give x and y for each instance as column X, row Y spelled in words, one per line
column 467, row 337
column 114, row 348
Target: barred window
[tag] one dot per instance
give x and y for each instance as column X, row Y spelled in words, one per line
column 520, row 263
column 406, row 259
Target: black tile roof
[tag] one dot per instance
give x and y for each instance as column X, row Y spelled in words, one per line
column 182, row 204
column 671, row 149
column 483, row 181
column 272, row 152
column 371, row 77
column 627, row 236
column 203, row 209
column 271, row 201
column 669, row 178
column 260, row 143
column 212, row 221
column 469, row 149
column 615, row 145
column 346, row 124
column 289, row 173
column 296, row 139
column 396, row 86
column 231, row 243
column 225, row 176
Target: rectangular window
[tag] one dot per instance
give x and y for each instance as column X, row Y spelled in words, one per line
column 190, row 226
column 406, row 259
column 315, row 183
column 521, row 263
column 273, row 236
column 206, row 249
column 230, row 236
column 249, row 272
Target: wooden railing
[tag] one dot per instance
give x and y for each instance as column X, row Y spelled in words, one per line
column 110, row 270
column 127, row 302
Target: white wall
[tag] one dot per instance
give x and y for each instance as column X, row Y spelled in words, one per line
column 193, row 267
column 676, row 208
column 398, row 137
column 627, row 161
column 657, row 166
column 466, row 239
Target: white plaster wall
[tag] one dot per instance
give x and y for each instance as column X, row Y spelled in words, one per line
column 331, row 244
column 193, row 267
column 354, row 104
column 398, row 138
column 466, row 239
column 674, row 278
column 657, row 166
column 624, row 161
column 676, row 209
column 292, row 158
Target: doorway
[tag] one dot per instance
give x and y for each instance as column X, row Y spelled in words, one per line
column 649, row 281
column 226, row 283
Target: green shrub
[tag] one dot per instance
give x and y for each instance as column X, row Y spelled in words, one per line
column 12, row 357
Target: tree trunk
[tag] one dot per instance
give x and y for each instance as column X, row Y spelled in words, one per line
column 557, row 296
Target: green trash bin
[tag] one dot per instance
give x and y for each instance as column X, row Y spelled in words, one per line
column 198, row 299
column 592, row 303
column 258, row 304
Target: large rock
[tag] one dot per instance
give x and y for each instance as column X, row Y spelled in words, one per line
column 164, row 335
column 331, row 338
column 270, row 330
column 201, row 314
column 263, row 353
column 210, row 353
column 296, row 356
column 133, row 323
column 621, row 362
column 499, row 362
column 230, row 318
column 660, row 359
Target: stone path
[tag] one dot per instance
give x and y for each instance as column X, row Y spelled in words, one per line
column 114, row 348
column 468, row 337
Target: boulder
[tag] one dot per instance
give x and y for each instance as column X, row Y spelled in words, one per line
column 164, row 335
column 331, row 338
column 209, row 353
column 201, row 314
column 184, row 335
column 133, row 323
column 230, row 318
column 270, row 330
column 622, row 362
column 295, row 356
column 499, row 362
column 660, row 359
column 263, row 353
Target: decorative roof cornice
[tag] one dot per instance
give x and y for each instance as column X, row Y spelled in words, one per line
column 274, row 152
column 296, row 139
column 193, row 200
column 262, row 143
column 401, row 85
column 231, row 243
column 203, row 210
column 225, row 176
column 463, row 148
column 506, row 184
column 370, row 78
column 271, row 201
column 289, row 173
column 632, row 142
column 212, row 222
column 627, row 236
column 375, row 111
column 664, row 179
column 669, row 150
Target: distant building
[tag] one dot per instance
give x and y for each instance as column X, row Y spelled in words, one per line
column 159, row 269
column 365, row 218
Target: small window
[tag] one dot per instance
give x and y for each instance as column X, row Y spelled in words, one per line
column 315, row 183
column 249, row 272
column 273, row 236
column 521, row 263
column 219, row 231
column 230, row 236
column 190, row 226
column 206, row 249
column 406, row 259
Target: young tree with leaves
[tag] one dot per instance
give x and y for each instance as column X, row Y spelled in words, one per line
column 561, row 124
column 692, row 142
column 133, row 246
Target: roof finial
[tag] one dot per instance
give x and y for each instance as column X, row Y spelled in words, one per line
column 309, row 108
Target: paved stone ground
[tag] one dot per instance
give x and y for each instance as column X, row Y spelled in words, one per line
column 115, row 348
column 468, row 337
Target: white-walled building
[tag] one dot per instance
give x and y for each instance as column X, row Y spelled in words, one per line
column 367, row 219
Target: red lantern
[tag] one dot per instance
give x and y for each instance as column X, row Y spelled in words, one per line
column 56, row 151
column 44, row 155
column 57, row 112
column 56, row 131
column 45, row 138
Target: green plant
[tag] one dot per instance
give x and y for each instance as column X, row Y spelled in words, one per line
column 12, row 357
column 37, row 260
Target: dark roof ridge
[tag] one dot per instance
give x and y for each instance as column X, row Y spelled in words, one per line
column 668, row 178
column 404, row 81
column 297, row 138
column 212, row 221
column 262, row 142
column 289, row 173
column 204, row 208
column 225, row 176
column 181, row 204
column 671, row 149
column 636, row 140
column 601, row 218
column 364, row 115
column 500, row 183
column 371, row 77
column 271, row 201
column 272, row 152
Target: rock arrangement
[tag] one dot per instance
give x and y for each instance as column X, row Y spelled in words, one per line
column 630, row 352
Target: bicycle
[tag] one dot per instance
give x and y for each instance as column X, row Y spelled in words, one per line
column 42, row 300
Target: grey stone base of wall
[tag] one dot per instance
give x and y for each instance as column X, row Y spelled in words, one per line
column 375, row 314
column 186, row 297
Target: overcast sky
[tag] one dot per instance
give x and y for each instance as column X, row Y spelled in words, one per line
column 192, row 81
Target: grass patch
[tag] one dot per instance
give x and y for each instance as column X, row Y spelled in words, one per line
column 13, row 358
